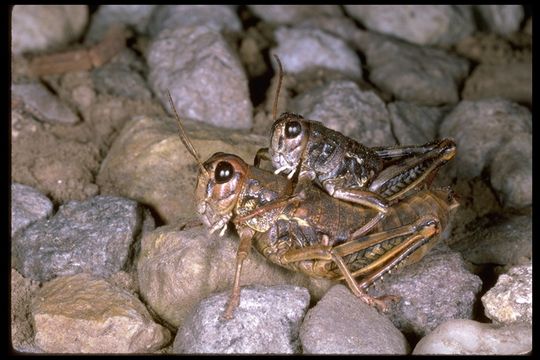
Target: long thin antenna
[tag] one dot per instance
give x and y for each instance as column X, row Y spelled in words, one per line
column 274, row 109
column 183, row 136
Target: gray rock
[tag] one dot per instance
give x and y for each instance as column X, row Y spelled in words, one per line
column 42, row 104
column 216, row 17
column 503, row 240
column 480, row 128
column 432, row 291
column 415, row 124
column 412, row 73
column 121, row 80
column 27, row 206
column 207, row 264
column 136, row 16
column 204, row 76
column 292, row 14
column 510, row 300
column 22, row 333
column 94, row 236
column 340, row 26
column 305, row 49
column 511, row 171
column 342, row 106
column 266, row 322
column 468, row 337
column 340, row 323
column 45, row 27
column 510, row 81
column 441, row 25
column 83, row 314
column 501, row 19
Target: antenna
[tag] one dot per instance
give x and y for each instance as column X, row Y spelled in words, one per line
column 274, row 109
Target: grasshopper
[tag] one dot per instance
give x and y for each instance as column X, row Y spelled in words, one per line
column 304, row 229
column 346, row 169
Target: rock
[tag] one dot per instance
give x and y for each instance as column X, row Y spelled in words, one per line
column 468, row 337
column 415, row 124
column 27, row 206
column 207, row 264
column 204, row 76
column 148, row 163
column 266, row 322
column 217, row 18
column 95, row 236
column 501, row 19
column 83, row 314
column 292, row 14
column 42, row 104
column 527, row 28
column 480, row 128
column 493, row 49
column 342, row 106
column 46, row 27
column 440, row 25
column 340, row 323
column 510, row 300
column 412, row 73
column 340, row 26
column 432, row 291
column 22, row 333
column 135, row 16
column 509, row 81
column 304, row 50
column 511, row 171
column 502, row 240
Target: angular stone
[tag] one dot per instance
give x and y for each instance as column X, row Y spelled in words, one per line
column 292, row 14
column 22, row 333
column 340, row 323
column 501, row 19
column 342, row 106
column 468, row 337
column 136, row 16
column 203, row 75
column 83, row 314
column 441, row 25
column 267, row 321
column 510, row 300
column 95, row 236
column 27, row 206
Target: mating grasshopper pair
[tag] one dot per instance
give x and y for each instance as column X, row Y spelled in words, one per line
column 343, row 211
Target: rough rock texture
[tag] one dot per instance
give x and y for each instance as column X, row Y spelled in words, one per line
column 135, row 16
column 468, row 337
column 340, row 323
column 501, row 19
column 27, row 206
column 44, row 27
column 83, row 314
column 412, row 73
column 510, row 300
column 135, row 166
column 493, row 49
column 266, row 322
column 94, row 236
column 216, row 17
column 441, row 25
column 176, row 270
column 42, row 104
column 22, row 332
column 342, row 106
column 304, row 50
column 203, row 74
column 292, row 14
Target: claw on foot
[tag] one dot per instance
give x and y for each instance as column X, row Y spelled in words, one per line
column 381, row 303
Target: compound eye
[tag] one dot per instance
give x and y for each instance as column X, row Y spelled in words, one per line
column 224, row 172
column 293, row 129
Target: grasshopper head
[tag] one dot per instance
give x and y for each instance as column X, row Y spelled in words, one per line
column 218, row 188
column 290, row 133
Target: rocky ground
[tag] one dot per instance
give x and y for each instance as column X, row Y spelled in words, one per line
column 102, row 188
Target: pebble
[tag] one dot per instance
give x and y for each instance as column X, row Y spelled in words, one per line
column 510, row 300
column 439, row 25
column 94, row 236
column 27, row 206
column 292, row 14
column 135, row 16
column 342, row 106
column 85, row 314
column 267, row 321
column 468, row 337
column 203, row 75
column 341, row 323
column 501, row 19
column 38, row 28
